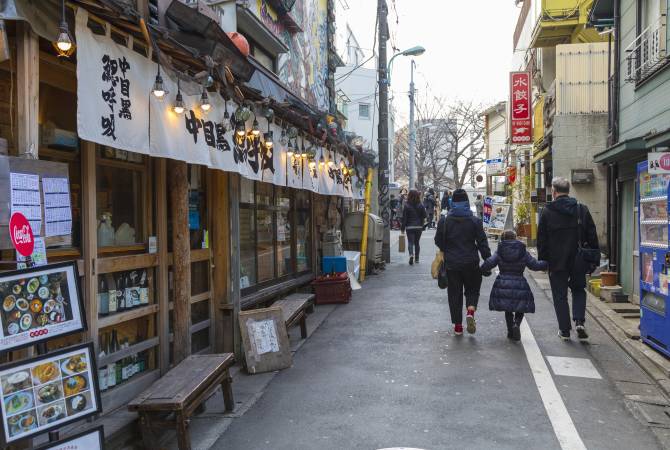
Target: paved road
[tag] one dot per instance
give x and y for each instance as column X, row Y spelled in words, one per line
column 387, row 371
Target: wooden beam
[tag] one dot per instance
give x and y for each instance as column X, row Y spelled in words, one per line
column 181, row 250
column 90, row 240
column 27, row 89
column 234, row 288
column 162, row 289
column 220, row 241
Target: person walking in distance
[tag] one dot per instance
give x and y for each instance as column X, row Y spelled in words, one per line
column 413, row 218
column 479, row 205
column 460, row 235
column 565, row 226
column 445, row 204
column 429, row 205
column 511, row 292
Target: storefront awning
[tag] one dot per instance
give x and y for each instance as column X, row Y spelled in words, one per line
column 661, row 139
column 630, row 148
column 540, row 155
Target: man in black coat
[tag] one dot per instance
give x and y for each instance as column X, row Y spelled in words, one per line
column 557, row 242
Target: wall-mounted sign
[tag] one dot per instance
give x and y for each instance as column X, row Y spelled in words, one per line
column 659, row 163
column 38, row 304
column 495, row 167
column 21, row 234
column 48, row 391
column 521, row 125
column 88, row 440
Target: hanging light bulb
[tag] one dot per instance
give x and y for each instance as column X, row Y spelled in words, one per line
column 312, row 164
column 240, row 130
column 225, row 123
column 254, row 128
column 322, row 161
column 284, row 139
column 178, row 106
column 64, row 45
column 289, row 151
column 204, row 101
column 158, row 88
column 303, row 152
column 267, row 137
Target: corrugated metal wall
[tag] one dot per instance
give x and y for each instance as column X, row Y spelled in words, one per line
column 581, row 78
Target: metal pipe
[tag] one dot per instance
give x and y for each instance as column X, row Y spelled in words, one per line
column 412, row 133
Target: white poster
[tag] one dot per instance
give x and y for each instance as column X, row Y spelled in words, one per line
column 310, row 173
column 113, row 89
column 38, row 256
column 57, row 208
column 25, row 198
column 88, row 440
column 263, row 336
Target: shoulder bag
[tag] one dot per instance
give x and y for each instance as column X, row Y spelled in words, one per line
column 589, row 257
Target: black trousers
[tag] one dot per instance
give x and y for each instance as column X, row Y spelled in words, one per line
column 513, row 319
column 466, row 281
column 413, row 238
column 576, row 282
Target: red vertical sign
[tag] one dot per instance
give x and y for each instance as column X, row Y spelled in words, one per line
column 521, row 125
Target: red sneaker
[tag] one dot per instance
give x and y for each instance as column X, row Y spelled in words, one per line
column 458, row 329
column 470, row 320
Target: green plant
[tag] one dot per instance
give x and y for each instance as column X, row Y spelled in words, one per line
column 521, row 192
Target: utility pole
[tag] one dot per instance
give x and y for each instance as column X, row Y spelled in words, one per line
column 383, row 131
column 412, row 133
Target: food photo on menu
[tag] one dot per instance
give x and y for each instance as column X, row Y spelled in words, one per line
column 46, row 392
column 36, row 300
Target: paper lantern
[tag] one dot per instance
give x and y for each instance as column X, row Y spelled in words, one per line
column 240, row 42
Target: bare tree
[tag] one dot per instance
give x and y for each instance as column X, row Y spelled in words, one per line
column 449, row 144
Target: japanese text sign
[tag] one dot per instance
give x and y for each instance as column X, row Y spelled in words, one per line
column 521, row 125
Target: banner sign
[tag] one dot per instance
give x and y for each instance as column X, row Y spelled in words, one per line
column 39, row 304
column 488, row 209
column 495, row 167
column 500, row 218
column 113, row 89
column 658, row 163
column 48, row 391
column 521, row 125
column 88, row 440
column 116, row 109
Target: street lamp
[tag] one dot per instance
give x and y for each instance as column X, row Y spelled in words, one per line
column 417, row 50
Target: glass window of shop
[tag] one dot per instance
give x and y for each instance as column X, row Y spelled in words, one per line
column 121, row 182
column 275, row 233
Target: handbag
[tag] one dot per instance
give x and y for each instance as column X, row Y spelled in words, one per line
column 589, row 257
column 436, row 265
column 442, row 277
column 401, row 243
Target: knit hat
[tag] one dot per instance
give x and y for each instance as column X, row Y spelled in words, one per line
column 460, row 196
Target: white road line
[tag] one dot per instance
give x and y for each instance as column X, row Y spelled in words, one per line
column 564, row 428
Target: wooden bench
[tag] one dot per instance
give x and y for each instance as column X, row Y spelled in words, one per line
column 171, row 401
column 294, row 309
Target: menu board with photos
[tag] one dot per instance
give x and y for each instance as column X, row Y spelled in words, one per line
column 39, row 303
column 88, row 440
column 48, row 391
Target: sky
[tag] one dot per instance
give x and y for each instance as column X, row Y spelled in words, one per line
column 468, row 46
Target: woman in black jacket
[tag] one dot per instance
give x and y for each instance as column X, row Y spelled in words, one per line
column 460, row 235
column 413, row 218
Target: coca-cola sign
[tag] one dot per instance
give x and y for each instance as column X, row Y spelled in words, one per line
column 659, row 162
column 21, row 234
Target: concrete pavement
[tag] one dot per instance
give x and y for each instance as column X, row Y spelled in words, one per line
column 387, row 371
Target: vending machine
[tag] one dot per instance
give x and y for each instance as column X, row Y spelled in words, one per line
column 653, row 202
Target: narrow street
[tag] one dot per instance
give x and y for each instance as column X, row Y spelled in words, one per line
column 386, row 371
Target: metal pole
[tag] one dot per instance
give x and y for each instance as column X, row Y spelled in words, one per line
column 412, row 133
column 364, row 238
column 383, row 131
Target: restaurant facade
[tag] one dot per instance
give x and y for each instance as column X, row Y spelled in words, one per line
column 201, row 177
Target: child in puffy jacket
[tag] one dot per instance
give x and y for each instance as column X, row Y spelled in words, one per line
column 511, row 292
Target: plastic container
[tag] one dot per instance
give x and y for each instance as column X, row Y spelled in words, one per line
column 336, row 264
column 333, row 289
column 594, row 286
column 608, row 278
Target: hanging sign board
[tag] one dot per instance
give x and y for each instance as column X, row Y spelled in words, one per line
column 495, row 167
column 47, row 392
column 88, row 440
column 500, row 218
column 658, row 163
column 21, row 234
column 39, row 303
column 521, row 125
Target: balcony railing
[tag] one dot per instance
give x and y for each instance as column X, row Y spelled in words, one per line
column 647, row 53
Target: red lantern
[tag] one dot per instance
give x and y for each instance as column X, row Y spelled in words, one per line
column 511, row 175
column 240, row 42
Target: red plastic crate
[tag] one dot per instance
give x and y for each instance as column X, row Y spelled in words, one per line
column 332, row 289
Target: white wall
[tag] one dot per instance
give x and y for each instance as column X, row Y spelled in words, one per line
column 360, row 86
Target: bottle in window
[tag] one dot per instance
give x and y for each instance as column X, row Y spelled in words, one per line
column 102, row 371
column 121, row 292
column 125, row 365
column 111, row 297
column 103, row 296
column 128, row 290
column 111, row 368
column 135, row 290
column 144, row 288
